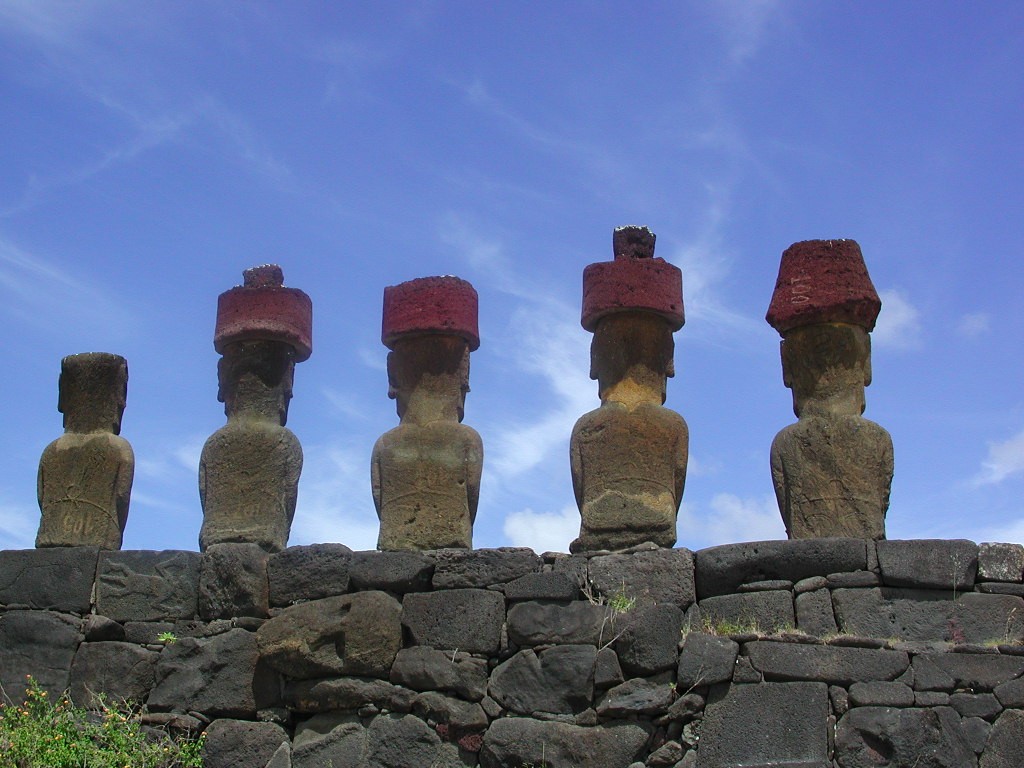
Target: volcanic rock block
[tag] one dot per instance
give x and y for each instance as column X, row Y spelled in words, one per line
column 467, row 620
column 749, row 612
column 658, row 576
column 766, row 724
column 249, row 469
column 122, row 672
column 648, row 641
column 538, row 623
column 346, row 694
column 233, row 582
column 628, row 457
column 235, row 743
column 968, row 671
column 145, row 585
column 832, row 470
column 37, row 643
column 425, row 669
column 398, row 572
column 558, row 680
column 835, row 665
column 638, row 696
column 516, row 741
column 705, row 660
column 460, row 568
column 308, row 573
column 425, row 473
column 1001, row 562
column 928, row 563
column 85, row 476
column 932, row 738
column 357, row 634
column 56, row 579
column 814, row 613
column 1003, row 747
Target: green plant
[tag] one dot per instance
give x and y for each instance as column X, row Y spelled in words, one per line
column 40, row 732
column 621, row 602
column 729, row 627
column 167, row 638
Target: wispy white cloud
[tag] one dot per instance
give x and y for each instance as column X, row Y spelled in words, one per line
column 18, row 526
column 899, row 325
column 729, row 519
column 543, row 531
column 1004, row 459
column 974, row 324
column 744, row 25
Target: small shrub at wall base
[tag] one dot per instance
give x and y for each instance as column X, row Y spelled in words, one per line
column 40, row 733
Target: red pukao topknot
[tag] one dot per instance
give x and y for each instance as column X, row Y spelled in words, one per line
column 823, row 281
column 431, row 305
column 262, row 309
column 635, row 281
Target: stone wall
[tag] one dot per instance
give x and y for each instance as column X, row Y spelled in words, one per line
column 820, row 652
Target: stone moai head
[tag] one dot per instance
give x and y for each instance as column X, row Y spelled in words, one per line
column 263, row 329
column 824, row 307
column 430, row 326
column 93, row 392
column 632, row 305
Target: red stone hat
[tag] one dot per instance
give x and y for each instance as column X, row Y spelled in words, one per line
column 823, row 281
column 635, row 281
column 262, row 309
column 430, row 305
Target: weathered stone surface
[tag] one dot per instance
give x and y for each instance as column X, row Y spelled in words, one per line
column 1003, row 748
column 705, row 660
column 881, row 694
column 839, row 666
column 749, row 612
column 766, row 724
column 854, row 579
column 467, row 620
column 460, row 568
column 399, row 572
column 558, row 680
column 37, row 643
column 425, row 669
column 85, row 476
column 217, row 676
column 282, row 758
column 98, row 628
column 659, row 576
column 1011, row 693
column 143, row 585
column 119, row 671
column 233, row 582
column 57, row 579
column 341, row 745
column 607, row 670
column 928, row 563
column 549, row 585
column 814, row 614
column 308, row 573
column 984, row 705
column 932, row 614
column 461, row 717
column 628, row 457
column 390, row 741
column 357, row 634
column 237, row 743
column 976, row 672
column 720, row 570
column 518, row 741
column 648, row 639
column 425, row 473
column 262, row 308
column 1000, row 562
column 535, row 623
column 976, row 732
column 639, row 696
column 867, row 737
column 346, row 693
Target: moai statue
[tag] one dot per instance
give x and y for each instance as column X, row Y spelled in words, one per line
column 628, row 457
column 249, row 469
column 85, row 475
column 833, row 468
column 426, row 471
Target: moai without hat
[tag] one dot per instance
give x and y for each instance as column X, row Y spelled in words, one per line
column 249, row 469
column 85, row 476
column 832, row 470
column 628, row 457
column 425, row 472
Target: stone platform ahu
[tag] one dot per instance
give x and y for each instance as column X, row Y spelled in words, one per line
column 628, row 457
column 425, row 472
column 832, row 469
column 249, row 469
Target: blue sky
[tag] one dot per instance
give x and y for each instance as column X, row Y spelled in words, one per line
column 152, row 151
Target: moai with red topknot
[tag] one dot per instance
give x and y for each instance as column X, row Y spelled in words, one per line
column 249, row 469
column 425, row 472
column 85, row 476
column 832, row 469
column 628, row 457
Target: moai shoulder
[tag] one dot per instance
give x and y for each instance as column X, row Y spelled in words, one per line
column 85, row 476
column 425, row 473
column 249, row 469
column 832, row 470
column 628, row 457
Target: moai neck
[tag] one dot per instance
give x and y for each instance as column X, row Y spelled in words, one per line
column 428, row 377
column 631, row 358
column 827, row 365
column 93, row 390
column 255, row 381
